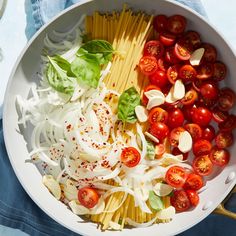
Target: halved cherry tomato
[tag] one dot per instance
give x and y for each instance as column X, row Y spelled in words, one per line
column 209, row 90
column 201, row 147
column 170, row 56
column 202, row 165
column 88, row 197
column 183, row 50
column 190, row 97
column 148, row 65
column 154, row 48
column 148, row 88
column 197, row 83
column 176, row 24
column 219, row 156
column 130, row 156
column 159, row 78
column 224, row 139
column 167, row 39
column 193, row 38
column 158, row 114
column 160, row 149
column 195, row 131
column 204, row 71
column 176, row 176
column 202, row 116
column 160, row 23
column 193, row 197
column 229, row 124
column 226, row 99
column 175, row 118
column 187, row 73
column 194, row 182
column 159, row 130
column 209, row 133
column 180, row 201
column 175, row 151
column 210, row 53
column 172, row 73
column 162, row 65
column 219, row 71
column 174, row 136
column 219, row 116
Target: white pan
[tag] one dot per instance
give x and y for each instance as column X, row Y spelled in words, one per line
column 22, row 77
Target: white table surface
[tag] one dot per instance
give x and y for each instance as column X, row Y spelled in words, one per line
column 14, row 22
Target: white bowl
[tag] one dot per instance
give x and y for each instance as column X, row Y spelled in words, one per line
column 21, row 80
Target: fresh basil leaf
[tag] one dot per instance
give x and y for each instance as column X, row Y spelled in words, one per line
column 98, row 56
column 128, row 100
column 57, row 77
column 155, row 201
column 87, row 69
column 150, row 150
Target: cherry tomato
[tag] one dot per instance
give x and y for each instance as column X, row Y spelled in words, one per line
column 175, row 118
column 201, row 147
column 219, row 71
column 193, row 197
column 180, row 201
column 174, row 136
column 160, row 149
column 160, row 23
column 167, row 39
column 224, row 139
column 162, row 65
column 210, row 53
column 172, row 73
column 209, row 91
column 176, row 24
column 88, row 197
column 209, row 133
column 148, row 88
column 187, row 73
column 228, row 124
column 204, row 71
column 193, row 38
column 176, row 176
column 188, row 112
column 154, row 48
column 194, row 182
column 219, row 156
column 226, row 99
column 190, row 97
column 159, row 78
column 159, row 130
column 202, row 165
column 195, row 131
column 130, row 156
column 175, row 151
column 197, row 83
column 182, row 50
column 170, row 56
column 148, row 65
column 158, row 114
column 202, row 116
column 219, row 116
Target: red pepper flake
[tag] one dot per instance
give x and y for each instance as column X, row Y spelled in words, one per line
column 113, row 85
column 73, row 139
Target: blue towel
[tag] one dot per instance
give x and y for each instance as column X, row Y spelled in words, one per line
column 18, row 211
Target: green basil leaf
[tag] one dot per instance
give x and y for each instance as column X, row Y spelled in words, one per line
column 87, row 69
column 150, row 150
column 57, row 77
column 155, row 201
column 128, row 100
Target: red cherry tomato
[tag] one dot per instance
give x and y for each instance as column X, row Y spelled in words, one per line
column 130, row 156
column 174, row 136
column 148, row 88
column 209, row 133
column 183, row 50
column 201, row 147
column 210, row 53
column 159, row 130
column 190, row 97
column 148, row 65
column 158, row 114
column 209, row 91
column 187, row 73
column 219, row 71
column 160, row 23
column 159, row 78
column 154, row 48
column 172, row 73
column 195, row 131
column 202, row 116
column 202, row 165
column 88, row 197
column 170, row 56
column 188, row 112
column 160, row 149
column 194, row 182
column 180, row 201
column 162, row 65
column 224, row 139
column 193, row 38
column 175, row 151
column 197, row 83
column 219, row 116
column 219, row 156
column 167, row 39
column 175, row 118
column 176, row 176
column 228, row 124
column 226, row 99
column 204, row 71
column 193, row 197
column 176, row 24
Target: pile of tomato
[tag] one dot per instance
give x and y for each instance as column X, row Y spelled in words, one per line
column 204, row 111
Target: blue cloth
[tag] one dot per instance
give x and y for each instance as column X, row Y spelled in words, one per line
column 17, row 210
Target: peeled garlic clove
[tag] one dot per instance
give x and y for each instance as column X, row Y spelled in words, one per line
column 154, row 93
column 170, row 96
column 179, row 90
column 155, row 101
column 161, row 189
column 185, row 142
column 196, row 56
column 114, row 225
column 70, row 191
column 151, row 137
column 141, row 113
column 167, row 213
column 52, row 185
column 77, row 208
